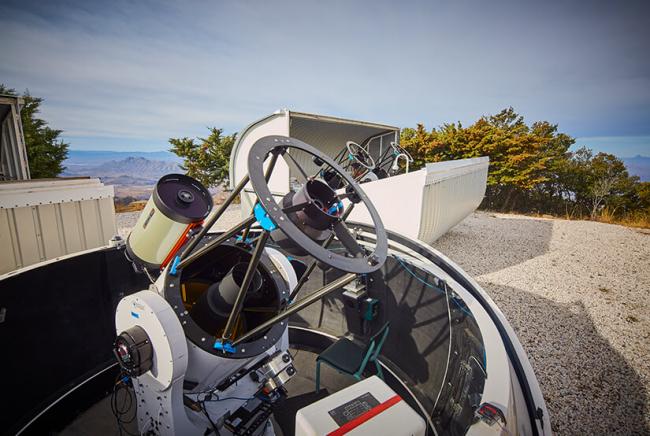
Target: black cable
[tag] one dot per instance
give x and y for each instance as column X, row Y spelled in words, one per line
column 207, row 415
column 127, row 404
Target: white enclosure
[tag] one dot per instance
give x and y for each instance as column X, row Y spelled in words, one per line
column 425, row 204
column 422, row 204
column 47, row 218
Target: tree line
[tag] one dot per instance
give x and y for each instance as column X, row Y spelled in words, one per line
column 532, row 167
column 533, row 170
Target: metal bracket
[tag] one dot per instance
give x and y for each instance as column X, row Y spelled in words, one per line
column 264, row 219
column 172, row 269
column 226, row 347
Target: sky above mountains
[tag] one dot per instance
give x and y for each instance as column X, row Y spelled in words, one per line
column 128, row 75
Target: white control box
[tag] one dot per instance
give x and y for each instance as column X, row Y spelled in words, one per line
column 368, row 407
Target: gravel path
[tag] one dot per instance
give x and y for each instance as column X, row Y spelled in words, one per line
column 576, row 293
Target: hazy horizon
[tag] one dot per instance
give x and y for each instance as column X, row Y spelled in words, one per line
column 605, row 145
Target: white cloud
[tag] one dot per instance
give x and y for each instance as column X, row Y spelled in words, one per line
column 151, row 70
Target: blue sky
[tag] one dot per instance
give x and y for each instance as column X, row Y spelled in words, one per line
column 124, row 75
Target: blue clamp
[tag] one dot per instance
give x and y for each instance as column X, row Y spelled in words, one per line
column 336, row 209
column 226, row 347
column 264, row 219
column 172, row 269
column 241, row 239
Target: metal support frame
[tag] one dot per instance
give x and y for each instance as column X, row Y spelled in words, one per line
column 239, row 302
column 220, row 240
column 213, row 219
column 298, row 306
column 260, row 244
column 312, row 265
column 267, row 176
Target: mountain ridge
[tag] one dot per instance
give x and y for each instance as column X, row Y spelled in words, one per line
column 132, row 176
column 95, row 157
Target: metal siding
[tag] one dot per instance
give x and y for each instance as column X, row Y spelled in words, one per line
column 8, row 253
column 8, row 149
column 106, row 211
column 21, row 151
column 49, row 231
column 71, row 230
column 45, row 229
column 26, row 231
column 12, row 144
column 93, row 232
column 448, row 199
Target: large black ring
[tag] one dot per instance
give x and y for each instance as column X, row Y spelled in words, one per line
column 279, row 144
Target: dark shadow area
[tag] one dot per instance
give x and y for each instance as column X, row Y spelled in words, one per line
column 99, row 419
column 588, row 386
column 301, row 388
column 58, row 331
column 419, row 340
column 484, row 243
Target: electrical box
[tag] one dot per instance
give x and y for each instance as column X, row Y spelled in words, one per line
column 368, row 407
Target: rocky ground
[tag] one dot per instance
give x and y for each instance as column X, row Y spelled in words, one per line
column 576, row 293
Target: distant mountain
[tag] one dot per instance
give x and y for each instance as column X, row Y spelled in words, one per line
column 638, row 166
column 132, row 171
column 96, row 157
column 140, row 167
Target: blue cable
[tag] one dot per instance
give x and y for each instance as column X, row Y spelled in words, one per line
column 424, row 282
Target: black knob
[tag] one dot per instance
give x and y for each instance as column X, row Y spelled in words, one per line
column 185, row 196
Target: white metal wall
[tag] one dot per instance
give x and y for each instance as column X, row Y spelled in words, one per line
column 276, row 124
column 425, row 204
column 45, row 219
column 398, row 201
column 453, row 190
column 13, row 155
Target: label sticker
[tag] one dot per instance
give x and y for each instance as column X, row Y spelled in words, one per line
column 353, row 408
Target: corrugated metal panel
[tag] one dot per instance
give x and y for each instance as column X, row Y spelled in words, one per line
column 425, row 204
column 13, row 155
column 452, row 191
column 45, row 219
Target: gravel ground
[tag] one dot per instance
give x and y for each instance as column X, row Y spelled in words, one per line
column 576, row 293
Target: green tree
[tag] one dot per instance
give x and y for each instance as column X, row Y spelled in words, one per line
column 643, row 195
column 45, row 151
column 610, row 185
column 207, row 159
column 523, row 159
